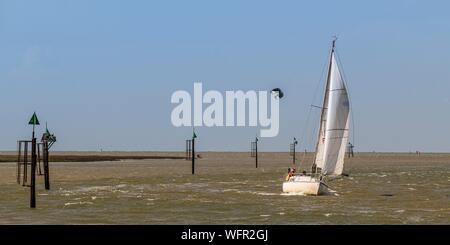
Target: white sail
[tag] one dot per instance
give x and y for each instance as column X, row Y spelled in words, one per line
column 320, row 147
column 337, row 122
column 320, row 157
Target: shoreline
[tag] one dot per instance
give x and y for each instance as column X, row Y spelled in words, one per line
column 110, row 156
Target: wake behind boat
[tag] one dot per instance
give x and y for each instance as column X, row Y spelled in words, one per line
column 332, row 137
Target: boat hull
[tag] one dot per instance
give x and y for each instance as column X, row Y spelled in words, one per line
column 307, row 187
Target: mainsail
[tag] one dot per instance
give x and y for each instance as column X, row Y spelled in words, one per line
column 334, row 123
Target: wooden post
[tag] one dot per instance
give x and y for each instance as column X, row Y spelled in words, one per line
column 25, row 164
column 19, row 150
column 46, row 167
column 38, row 146
column 33, row 173
column 193, row 155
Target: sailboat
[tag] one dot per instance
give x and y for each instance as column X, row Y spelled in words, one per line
column 332, row 136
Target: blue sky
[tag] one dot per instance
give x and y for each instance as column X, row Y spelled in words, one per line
column 102, row 72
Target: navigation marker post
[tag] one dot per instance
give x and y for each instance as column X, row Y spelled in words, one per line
column 292, row 152
column 194, row 136
column 254, row 151
column 33, row 121
column 36, row 148
column 48, row 140
column 350, row 147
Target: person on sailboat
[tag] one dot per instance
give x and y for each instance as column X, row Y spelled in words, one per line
column 291, row 172
column 288, row 174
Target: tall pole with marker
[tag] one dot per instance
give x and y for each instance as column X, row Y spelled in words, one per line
column 256, row 152
column 33, row 121
column 293, row 150
column 194, row 136
column 45, row 154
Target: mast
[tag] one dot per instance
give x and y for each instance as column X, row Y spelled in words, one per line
column 325, row 100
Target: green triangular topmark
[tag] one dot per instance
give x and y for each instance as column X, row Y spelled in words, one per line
column 194, row 136
column 34, row 120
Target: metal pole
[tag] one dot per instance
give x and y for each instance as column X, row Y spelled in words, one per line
column 193, row 155
column 33, row 173
column 293, row 158
column 256, row 151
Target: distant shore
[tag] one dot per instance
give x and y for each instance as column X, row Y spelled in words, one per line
column 97, row 156
column 11, row 156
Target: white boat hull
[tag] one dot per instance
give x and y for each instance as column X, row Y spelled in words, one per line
column 306, row 185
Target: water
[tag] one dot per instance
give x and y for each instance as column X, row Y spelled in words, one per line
column 227, row 189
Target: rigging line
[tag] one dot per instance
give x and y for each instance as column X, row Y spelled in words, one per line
column 302, row 142
column 349, row 97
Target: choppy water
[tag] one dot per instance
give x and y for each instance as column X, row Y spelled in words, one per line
column 381, row 189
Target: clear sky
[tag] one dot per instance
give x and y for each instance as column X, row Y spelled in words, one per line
column 102, row 72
